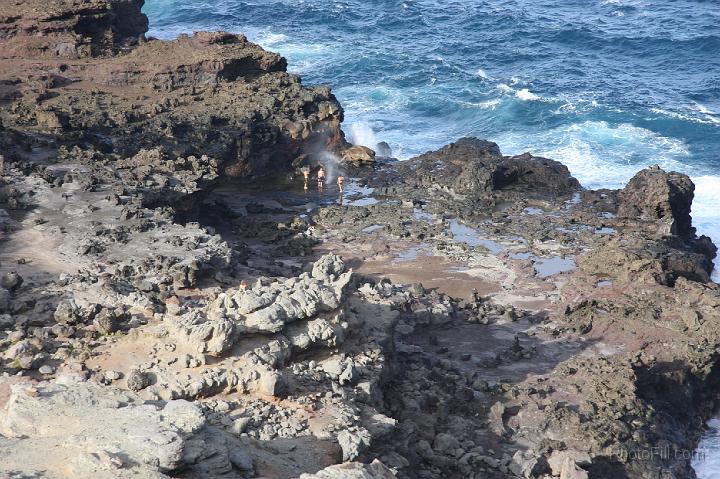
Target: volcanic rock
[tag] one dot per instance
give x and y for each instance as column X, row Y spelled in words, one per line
column 659, row 198
column 358, row 155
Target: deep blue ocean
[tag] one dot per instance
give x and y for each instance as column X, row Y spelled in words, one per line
column 605, row 86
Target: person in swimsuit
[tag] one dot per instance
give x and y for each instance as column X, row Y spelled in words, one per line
column 306, row 176
column 340, row 182
column 321, row 178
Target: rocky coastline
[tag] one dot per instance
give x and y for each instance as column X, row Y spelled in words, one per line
column 175, row 303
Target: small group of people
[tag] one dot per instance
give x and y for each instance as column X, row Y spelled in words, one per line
column 321, row 179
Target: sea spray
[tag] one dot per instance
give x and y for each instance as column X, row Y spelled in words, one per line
column 331, row 163
column 361, row 133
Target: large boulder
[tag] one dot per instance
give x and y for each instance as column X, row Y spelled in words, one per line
column 11, row 281
column 358, row 155
column 473, row 167
column 660, row 199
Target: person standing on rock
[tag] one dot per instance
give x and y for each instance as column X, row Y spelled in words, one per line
column 321, row 178
column 340, row 182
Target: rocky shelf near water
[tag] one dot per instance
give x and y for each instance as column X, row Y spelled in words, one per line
column 175, row 303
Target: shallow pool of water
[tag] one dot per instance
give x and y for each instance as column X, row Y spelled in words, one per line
column 546, row 267
column 372, row 228
column 471, row 237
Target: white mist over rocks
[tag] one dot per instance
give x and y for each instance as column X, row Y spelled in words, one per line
column 331, row 163
column 361, row 133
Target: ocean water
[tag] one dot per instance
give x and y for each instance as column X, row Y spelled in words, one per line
column 605, row 86
column 706, row 459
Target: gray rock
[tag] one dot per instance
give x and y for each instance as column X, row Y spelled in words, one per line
column 11, row 281
column 272, row 383
column 112, row 375
column 67, row 312
column 269, row 309
column 358, row 155
column 25, row 347
column 353, row 443
column 445, row 443
column 328, row 268
column 107, row 321
column 497, row 422
column 137, row 380
column 384, row 150
column 353, row 470
column 146, row 439
column 349, row 375
column 6, row 320
column 570, row 470
column 240, row 425
column 527, row 464
column 557, row 460
column 4, row 300
column 333, row 367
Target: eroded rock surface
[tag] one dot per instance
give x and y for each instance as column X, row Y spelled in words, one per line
column 73, row 428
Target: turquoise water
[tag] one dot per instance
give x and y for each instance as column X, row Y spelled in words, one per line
column 605, row 86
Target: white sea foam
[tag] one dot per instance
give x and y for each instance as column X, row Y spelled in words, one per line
column 707, row 116
column 483, row 105
column 705, row 460
column 302, row 57
column 269, row 39
column 600, row 154
column 504, row 88
column 703, row 109
column 526, row 95
column 359, row 100
column 706, row 212
column 480, row 73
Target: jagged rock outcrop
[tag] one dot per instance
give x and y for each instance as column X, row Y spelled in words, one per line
column 576, row 387
column 268, row 309
column 88, row 84
column 476, row 168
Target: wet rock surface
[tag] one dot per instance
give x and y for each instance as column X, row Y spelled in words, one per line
column 463, row 314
